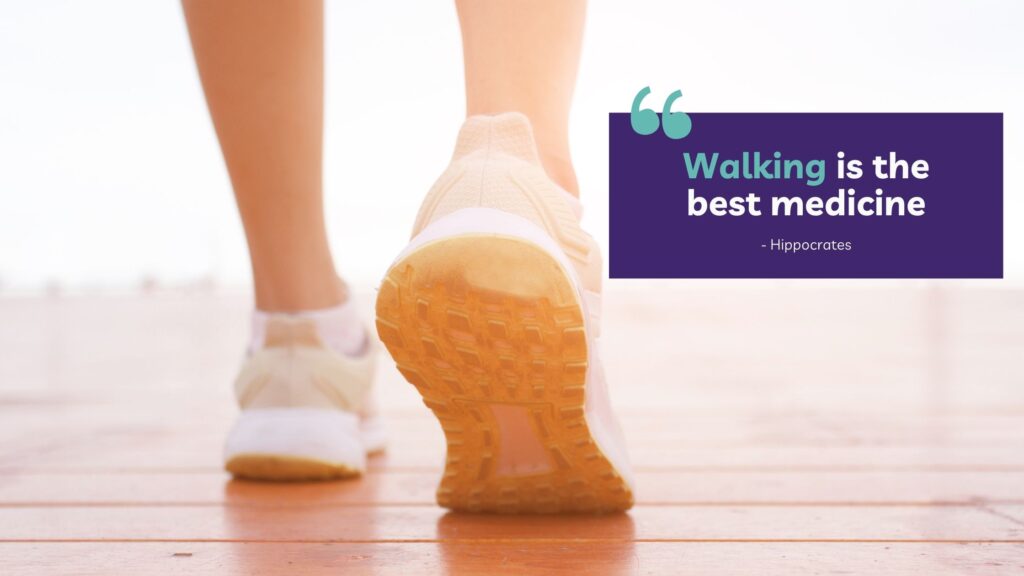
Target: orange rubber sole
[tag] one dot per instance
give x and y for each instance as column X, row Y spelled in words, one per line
column 490, row 331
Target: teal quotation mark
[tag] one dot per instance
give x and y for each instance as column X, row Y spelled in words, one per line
column 675, row 125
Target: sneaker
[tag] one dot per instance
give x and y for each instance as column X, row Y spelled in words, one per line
column 493, row 312
column 307, row 409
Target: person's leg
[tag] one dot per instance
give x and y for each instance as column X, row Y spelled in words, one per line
column 522, row 55
column 261, row 65
column 304, row 387
column 493, row 309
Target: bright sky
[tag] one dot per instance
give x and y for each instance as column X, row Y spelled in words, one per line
column 110, row 174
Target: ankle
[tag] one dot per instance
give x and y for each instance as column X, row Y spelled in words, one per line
column 300, row 294
column 560, row 169
column 553, row 152
column 339, row 328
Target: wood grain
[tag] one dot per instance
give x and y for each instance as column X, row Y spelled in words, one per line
column 415, row 488
column 319, row 523
column 463, row 558
column 774, row 431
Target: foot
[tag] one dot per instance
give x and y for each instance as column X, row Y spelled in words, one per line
column 492, row 312
column 304, row 391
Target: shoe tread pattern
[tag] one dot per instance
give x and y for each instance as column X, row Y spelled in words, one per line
column 466, row 348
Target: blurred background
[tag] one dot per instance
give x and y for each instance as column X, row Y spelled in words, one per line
column 111, row 179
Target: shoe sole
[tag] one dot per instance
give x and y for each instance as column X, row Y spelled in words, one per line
column 281, row 468
column 295, row 444
column 491, row 332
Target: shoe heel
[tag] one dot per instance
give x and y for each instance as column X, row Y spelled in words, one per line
column 295, row 444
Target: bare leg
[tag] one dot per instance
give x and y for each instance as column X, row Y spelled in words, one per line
column 522, row 55
column 261, row 64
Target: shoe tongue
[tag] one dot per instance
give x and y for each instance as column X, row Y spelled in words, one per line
column 509, row 133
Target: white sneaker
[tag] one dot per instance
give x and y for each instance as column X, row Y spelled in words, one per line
column 493, row 313
column 307, row 411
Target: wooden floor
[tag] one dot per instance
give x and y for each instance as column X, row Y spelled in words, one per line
column 782, row 431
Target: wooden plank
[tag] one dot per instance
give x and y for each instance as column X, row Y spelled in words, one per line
column 417, row 488
column 206, row 405
column 209, row 413
column 319, row 523
column 915, row 348
column 120, row 450
column 659, row 382
column 1012, row 512
column 129, row 439
column 611, row 558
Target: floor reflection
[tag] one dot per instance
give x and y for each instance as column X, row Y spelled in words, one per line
column 488, row 544
column 325, row 520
